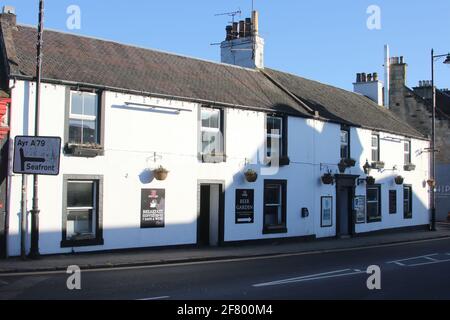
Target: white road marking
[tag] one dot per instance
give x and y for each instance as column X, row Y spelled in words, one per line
column 400, row 261
column 154, row 298
column 274, row 256
column 430, row 262
column 320, row 276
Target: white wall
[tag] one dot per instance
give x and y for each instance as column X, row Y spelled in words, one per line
column 372, row 89
column 239, row 52
column 131, row 139
column 391, row 152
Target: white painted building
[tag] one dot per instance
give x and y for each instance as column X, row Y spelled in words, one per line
column 123, row 111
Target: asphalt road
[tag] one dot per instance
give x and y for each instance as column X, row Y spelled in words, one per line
column 409, row 271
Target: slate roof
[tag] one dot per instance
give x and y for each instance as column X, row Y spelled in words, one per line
column 87, row 60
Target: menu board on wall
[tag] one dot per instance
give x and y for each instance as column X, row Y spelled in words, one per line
column 244, row 206
column 326, row 217
column 360, row 209
column 152, row 208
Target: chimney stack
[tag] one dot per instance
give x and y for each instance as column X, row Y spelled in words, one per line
column 369, row 85
column 9, row 14
column 243, row 46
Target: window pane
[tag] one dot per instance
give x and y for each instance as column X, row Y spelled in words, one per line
column 372, row 210
column 89, row 131
column 80, row 225
column 80, row 194
column 75, row 129
column 90, row 104
column 272, row 194
column 210, row 118
column 344, row 137
column 271, row 215
column 375, row 155
column 77, row 103
column 375, row 142
column 372, row 194
column 344, row 152
column 274, row 125
column 211, row 143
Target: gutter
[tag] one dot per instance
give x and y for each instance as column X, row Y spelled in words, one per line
column 147, row 93
column 313, row 113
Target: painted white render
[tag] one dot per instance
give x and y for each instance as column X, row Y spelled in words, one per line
column 371, row 89
column 133, row 137
column 244, row 52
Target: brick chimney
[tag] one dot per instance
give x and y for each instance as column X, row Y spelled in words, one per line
column 397, row 82
column 243, row 46
column 8, row 16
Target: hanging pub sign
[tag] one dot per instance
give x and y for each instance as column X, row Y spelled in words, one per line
column 244, row 206
column 152, row 208
column 360, row 209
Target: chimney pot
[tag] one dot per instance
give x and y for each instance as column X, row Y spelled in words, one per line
column 248, row 27
column 9, row 10
column 235, row 32
column 229, row 30
column 363, row 77
column 369, row 77
column 241, row 29
column 358, row 77
column 375, row 76
column 255, row 20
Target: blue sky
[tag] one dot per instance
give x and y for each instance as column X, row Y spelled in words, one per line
column 324, row 40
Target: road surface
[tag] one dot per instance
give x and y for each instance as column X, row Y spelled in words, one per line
column 409, row 271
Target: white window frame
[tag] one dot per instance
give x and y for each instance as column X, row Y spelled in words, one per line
column 217, row 131
column 83, row 117
column 279, row 205
column 407, row 154
column 347, row 143
column 378, row 202
column 375, row 148
column 93, row 207
column 272, row 136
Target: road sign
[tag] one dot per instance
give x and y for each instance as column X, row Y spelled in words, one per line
column 37, row 155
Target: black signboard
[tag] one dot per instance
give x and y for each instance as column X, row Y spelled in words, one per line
column 152, row 208
column 245, row 206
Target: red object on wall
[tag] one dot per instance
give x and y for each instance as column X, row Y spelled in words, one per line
column 4, row 125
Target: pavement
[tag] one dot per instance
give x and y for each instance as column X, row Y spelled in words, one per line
column 155, row 256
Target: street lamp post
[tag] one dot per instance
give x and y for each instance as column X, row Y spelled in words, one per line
column 433, row 138
column 34, row 249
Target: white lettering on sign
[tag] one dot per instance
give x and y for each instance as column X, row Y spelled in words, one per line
column 37, row 155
